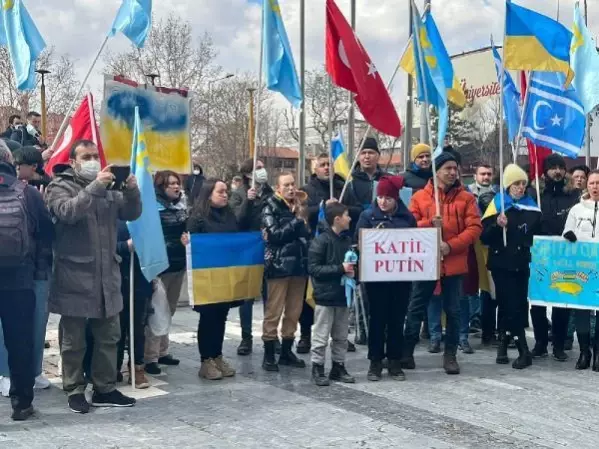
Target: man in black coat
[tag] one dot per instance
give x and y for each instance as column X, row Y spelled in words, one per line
column 557, row 199
column 418, row 174
column 194, row 182
column 14, row 122
column 30, row 134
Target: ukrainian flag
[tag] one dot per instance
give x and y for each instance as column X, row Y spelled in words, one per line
column 535, row 42
column 339, row 156
column 224, row 267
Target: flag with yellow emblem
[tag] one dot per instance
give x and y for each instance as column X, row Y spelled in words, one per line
column 585, row 62
column 146, row 231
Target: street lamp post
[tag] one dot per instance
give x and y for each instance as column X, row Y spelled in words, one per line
column 152, row 77
column 210, row 83
column 43, row 73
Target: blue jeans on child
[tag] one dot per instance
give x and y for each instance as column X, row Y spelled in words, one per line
column 435, row 308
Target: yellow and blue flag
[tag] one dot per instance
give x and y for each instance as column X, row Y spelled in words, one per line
column 134, row 20
column 535, row 42
column 225, row 267
column 585, row 62
column 146, row 231
column 25, row 43
column 278, row 63
column 339, row 156
column 524, row 203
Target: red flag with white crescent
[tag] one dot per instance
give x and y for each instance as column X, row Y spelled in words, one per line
column 82, row 126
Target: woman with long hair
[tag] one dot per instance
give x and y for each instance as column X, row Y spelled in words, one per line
column 212, row 214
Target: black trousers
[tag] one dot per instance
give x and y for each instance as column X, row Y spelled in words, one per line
column 306, row 320
column 140, row 315
column 511, row 288
column 388, row 307
column 17, row 309
column 211, row 329
column 488, row 308
column 559, row 325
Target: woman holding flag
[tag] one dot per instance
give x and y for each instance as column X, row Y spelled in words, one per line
column 509, row 263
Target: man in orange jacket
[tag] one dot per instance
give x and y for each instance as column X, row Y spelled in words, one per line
column 460, row 227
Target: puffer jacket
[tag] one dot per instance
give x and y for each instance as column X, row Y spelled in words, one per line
column 582, row 219
column 556, row 201
column 375, row 218
column 416, row 179
column 173, row 218
column 360, row 193
column 318, row 190
column 287, row 237
column 325, row 265
column 461, row 223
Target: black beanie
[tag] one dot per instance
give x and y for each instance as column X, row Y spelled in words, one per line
column 371, row 144
column 443, row 158
column 552, row 161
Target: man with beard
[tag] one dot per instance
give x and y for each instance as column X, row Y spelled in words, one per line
column 557, row 199
column 419, row 173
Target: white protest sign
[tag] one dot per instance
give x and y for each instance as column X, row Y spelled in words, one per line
column 391, row 255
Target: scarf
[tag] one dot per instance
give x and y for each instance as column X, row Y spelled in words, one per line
column 524, row 203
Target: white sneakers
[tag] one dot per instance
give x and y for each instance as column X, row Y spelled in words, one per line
column 42, row 383
column 5, row 386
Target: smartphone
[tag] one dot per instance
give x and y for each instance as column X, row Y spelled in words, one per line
column 121, row 173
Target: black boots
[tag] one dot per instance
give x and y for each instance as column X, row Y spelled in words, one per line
column 450, row 364
column 524, row 355
column 287, row 356
column 502, row 357
column 559, row 353
column 270, row 363
column 407, row 360
column 304, row 344
column 395, row 371
column 318, row 376
column 584, row 361
column 596, row 354
column 375, row 371
column 245, row 347
column 339, row 374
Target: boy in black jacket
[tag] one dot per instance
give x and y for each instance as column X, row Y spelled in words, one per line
column 326, row 266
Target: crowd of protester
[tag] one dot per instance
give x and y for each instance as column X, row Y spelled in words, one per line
column 66, row 249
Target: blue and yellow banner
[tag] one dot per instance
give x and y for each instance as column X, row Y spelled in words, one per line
column 564, row 274
column 225, row 267
column 339, row 156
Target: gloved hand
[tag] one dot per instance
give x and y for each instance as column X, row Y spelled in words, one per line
column 570, row 236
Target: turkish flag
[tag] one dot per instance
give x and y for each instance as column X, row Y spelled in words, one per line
column 536, row 154
column 350, row 67
column 82, row 126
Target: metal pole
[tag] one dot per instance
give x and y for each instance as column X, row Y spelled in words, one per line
column 131, row 318
column 302, row 116
column 44, row 112
column 409, row 109
column 587, row 140
column 351, row 119
column 208, row 115
column 331, row 162
column 260, row 76
column 251, row 90
column 425, row 136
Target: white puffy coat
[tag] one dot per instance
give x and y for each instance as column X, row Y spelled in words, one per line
column 583, row 220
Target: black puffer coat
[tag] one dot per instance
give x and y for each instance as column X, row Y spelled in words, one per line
column 325, row 265
column 416, row 179
column 173, row 218
column 318, row 190
column 286, row 241
column 556, row 201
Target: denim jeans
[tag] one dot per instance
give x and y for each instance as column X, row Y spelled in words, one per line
column 435, row 308
column 466, row 308
column 246, row 313
column 40, row 320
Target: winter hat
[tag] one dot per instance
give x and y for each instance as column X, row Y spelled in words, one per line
column 390, row 186
column 552, row 161
column 419, row 149
column 513, row 174
column 443, row 158
column 371, row 144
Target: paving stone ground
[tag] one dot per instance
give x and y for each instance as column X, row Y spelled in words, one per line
column 488, row 406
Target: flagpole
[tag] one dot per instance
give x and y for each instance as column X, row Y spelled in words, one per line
column 538, row 189
column 501, row 81
column 407, row 143
column 131, row 318
column 302, row 117
column 351, row 117
column 258, row 100
column 67, row 115
column 587, row 131
column 425, row 135
column 330, row 132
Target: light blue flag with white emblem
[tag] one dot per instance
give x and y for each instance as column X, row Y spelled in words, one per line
column 585, row 62
column 554, row 116
column 134, row 20
column 25, row 44
column 512, row 112
column 146, row 231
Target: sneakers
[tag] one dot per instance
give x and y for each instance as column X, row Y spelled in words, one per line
column 245, row 347
column 318, row 376
column 224, row 367
column 539, row 350
column 209, row 370
column 466, row 348
column 434, row 347
column 153, row 369
column 5, row 386
column 141, row 381
column 304, row 345
column 375, row 371
column 559, row 355
column 42, row 383
column 450, row 364
column 351, row 347
column 339, row 374
column 21, row 414
column 78, row 403
column 407, row 362
column 113, row 399
column 395, row 371
column 169, row 360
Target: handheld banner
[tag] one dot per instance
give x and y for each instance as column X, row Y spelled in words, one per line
column 391, row 255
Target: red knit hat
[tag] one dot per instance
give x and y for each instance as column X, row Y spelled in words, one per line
column 390, row 186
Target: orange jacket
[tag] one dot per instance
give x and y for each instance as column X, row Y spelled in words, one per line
column 461, row 223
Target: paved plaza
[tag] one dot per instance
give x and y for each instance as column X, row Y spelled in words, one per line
column 488, row 406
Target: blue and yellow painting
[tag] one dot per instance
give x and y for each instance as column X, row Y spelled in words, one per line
column 564, row 274
column 165, row 117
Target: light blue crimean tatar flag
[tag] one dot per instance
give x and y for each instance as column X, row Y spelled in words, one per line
column 554, row 116
column 585, row 62
column 512, row 112
column 25, row 43
column 146, row 231
column 134, row 20
column 279, row 67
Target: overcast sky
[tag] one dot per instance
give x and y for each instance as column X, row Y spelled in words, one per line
column 77, row 27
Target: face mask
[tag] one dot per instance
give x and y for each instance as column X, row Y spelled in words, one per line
column 261, row 176
column 31, row 130
column 89, row 169
column 196, row 172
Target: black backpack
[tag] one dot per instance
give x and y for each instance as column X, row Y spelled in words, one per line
column 14, row 225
